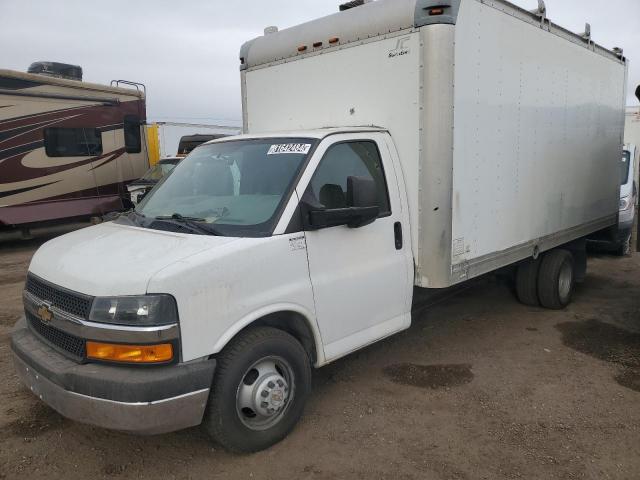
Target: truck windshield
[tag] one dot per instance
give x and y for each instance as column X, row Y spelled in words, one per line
column 625, row 166
column 237, row 187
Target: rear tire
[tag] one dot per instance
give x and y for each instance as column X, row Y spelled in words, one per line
column 556, row 279
column 527, row 282
column 262, row 381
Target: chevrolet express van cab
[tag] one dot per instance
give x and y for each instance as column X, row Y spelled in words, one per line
column 371, row 163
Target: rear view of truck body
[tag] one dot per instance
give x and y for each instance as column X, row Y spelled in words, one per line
column 508, row 127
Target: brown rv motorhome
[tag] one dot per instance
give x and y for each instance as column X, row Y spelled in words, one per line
column 67, row 148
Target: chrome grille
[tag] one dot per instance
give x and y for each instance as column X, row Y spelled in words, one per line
column 64, row 341
column 70, row 302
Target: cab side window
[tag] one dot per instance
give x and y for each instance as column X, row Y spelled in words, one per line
column 344, row 160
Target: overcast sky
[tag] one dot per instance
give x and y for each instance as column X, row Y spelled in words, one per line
column 186, row 52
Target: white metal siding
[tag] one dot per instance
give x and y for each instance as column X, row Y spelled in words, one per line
column 433, row 203
column 537, row 135
column 349, row 27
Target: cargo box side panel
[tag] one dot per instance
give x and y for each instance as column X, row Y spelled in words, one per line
column 537, row 140
column 374, row 82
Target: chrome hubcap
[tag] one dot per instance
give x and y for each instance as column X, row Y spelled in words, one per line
column 565, row 280
column 264, row 393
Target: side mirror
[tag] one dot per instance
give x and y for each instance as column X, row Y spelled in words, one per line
column 361, row 207
column 353, row 217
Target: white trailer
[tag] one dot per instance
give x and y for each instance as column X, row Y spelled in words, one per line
column 397, row 143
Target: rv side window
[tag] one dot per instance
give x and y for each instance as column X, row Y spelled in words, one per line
column 72, row 142
column 343, row 160
column 132, row 139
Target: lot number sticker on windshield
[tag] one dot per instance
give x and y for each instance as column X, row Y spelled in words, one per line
column 289, row 148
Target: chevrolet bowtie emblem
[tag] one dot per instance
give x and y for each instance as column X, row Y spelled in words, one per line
column 45, row 314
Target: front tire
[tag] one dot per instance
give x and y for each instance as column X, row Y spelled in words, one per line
column 261, row 384
column 556, row 279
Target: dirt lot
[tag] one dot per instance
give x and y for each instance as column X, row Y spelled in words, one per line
column 479, row 388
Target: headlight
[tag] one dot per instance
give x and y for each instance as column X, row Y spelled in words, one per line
column 139, row 311
column 625, row 203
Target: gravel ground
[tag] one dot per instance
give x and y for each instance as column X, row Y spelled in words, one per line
column 480, row 387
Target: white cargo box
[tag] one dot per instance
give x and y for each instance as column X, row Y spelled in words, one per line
column 509, row 128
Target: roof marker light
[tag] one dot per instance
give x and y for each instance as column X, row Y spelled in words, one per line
column 317, row 44
column 334, row 40
column 302, row 48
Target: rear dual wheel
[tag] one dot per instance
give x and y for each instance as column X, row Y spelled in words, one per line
column 548, row 281
column 527, row 282
column 556, row 279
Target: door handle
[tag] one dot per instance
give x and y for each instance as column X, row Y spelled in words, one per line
column 397, row 231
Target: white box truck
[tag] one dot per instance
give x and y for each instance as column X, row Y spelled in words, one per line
column 395, row 144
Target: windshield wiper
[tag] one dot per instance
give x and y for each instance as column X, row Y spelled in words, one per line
column 190, row 222
column 177, row 216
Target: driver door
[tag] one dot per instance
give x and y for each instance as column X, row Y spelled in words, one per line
column 362, row 277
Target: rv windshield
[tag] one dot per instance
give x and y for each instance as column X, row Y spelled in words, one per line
column 234, row 188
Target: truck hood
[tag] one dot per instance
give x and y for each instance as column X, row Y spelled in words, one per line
column 111, row 259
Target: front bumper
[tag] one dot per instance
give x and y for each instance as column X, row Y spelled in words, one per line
column 142, row 400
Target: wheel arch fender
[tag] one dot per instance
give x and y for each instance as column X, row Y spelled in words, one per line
column 292, row 318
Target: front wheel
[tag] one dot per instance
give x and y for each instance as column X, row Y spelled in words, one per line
column 262, row 381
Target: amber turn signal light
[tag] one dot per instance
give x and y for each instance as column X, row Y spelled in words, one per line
column 130, row 353
column 436, row 11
